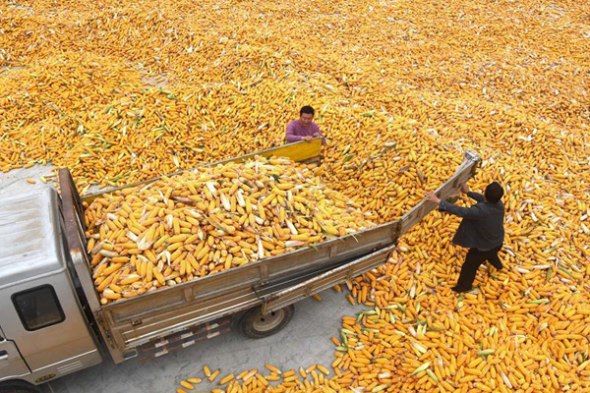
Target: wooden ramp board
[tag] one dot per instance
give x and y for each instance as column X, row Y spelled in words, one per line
column 298, row 151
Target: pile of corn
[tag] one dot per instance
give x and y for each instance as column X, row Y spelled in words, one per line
column 205, row 221
column 312, row 378
column 120, row 92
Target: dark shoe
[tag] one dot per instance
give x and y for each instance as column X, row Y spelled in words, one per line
column 459, row 289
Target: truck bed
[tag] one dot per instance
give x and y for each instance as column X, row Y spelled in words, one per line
column 272, row 282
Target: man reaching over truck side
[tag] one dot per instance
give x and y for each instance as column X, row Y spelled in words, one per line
column 304, row 128
column 481, row 230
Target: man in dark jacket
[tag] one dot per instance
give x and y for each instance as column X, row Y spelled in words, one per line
column 481, row 230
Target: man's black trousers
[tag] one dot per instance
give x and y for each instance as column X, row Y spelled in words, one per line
column 473, row 260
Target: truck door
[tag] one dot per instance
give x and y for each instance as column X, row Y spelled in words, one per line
column 12, row 365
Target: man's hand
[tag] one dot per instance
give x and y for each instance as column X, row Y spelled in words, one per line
column 431, row 196
column 464, row 188
column 307, row 138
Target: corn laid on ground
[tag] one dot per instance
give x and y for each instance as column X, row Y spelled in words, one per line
column 123, row 91
column 208, row 220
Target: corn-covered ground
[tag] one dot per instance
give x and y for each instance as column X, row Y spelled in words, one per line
column 122, row 91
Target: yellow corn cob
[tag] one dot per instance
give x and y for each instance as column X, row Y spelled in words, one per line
column 111, row 269
column 158, row 276
column 226, row 379
column 214, row 375
column 110, row 295
column 131, row 278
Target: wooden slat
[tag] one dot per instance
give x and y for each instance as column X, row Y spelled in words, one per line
column 298, row 151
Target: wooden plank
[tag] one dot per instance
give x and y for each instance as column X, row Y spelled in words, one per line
column 298, row 151
column 279, row 299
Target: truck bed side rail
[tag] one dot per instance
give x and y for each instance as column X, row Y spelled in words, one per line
column 277, row 299
column 73, row 214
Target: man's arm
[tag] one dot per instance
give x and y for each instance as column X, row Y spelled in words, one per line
column 472, row 212
column 318, row 133
column 291, row 136
column 474, row 195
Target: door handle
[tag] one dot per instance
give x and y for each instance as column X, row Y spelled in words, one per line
column 3, row 355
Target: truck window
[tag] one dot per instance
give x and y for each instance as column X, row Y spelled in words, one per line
column 38, row 307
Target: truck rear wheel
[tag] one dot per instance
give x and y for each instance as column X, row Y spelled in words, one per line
column 18, row 387
column 255, row 325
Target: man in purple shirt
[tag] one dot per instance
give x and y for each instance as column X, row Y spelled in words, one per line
column 304, row 129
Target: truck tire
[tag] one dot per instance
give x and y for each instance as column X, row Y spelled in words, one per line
column 18, row 387
column 255, row 325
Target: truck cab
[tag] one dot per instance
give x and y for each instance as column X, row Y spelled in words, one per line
column 45, row 331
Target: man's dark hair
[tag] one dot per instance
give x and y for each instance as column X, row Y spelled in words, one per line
column 494, row 192
column 307, row 109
